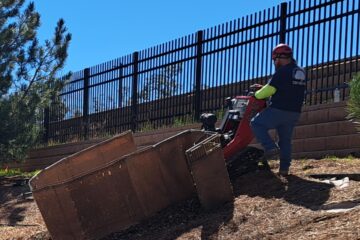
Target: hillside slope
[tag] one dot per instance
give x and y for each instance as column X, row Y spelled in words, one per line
column 266, row 206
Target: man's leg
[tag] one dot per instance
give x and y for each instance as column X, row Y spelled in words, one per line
column 285, row 132
column 261, row 124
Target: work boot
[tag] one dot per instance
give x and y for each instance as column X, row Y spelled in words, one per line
column 272, row 154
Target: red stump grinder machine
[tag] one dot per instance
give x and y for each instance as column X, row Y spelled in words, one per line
column 236, row 133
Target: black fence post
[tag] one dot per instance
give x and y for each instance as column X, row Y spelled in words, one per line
column 46, row 125
column 198, row 76
column 120, row 93
column 283, row 22
column 86, row 103
column 134, row 107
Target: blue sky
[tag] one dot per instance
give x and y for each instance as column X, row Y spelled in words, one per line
column 105, row 30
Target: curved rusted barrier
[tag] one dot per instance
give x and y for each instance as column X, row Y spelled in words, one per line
column 110, row 186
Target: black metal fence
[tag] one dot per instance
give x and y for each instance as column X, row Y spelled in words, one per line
column 174, row 82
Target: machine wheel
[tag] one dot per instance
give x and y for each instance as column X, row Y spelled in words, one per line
column 245, row 161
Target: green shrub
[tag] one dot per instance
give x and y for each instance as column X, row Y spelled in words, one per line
column 17, row 172
column 353, row 105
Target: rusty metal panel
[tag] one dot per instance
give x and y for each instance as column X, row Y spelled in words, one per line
column 61, row 194
column 160, row 174
column 91, row 206
column 85, row 160
column 146, row 177
column 105, row 200
column 113, row 194
column 59, row 216
column 207, row 164
column 173, row 163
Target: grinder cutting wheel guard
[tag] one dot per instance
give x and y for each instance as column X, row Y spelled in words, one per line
column 235, row 131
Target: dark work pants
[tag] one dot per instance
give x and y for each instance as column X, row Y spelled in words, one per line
column 283, row 122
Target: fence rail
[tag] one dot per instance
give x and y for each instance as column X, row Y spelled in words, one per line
column 176, row 81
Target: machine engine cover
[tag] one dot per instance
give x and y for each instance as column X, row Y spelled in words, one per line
column 208, row 121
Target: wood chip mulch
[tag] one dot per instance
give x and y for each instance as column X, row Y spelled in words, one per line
column 266, row 206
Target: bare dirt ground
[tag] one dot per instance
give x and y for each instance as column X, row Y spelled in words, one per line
column 266, row 206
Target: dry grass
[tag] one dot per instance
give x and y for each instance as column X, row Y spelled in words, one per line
column 266, row 206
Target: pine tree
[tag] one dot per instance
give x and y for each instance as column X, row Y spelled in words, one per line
column 28, row 75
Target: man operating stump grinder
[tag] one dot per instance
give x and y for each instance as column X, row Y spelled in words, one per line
column 285, row 91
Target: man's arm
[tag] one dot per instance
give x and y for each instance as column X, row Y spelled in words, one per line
column 265, row 92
